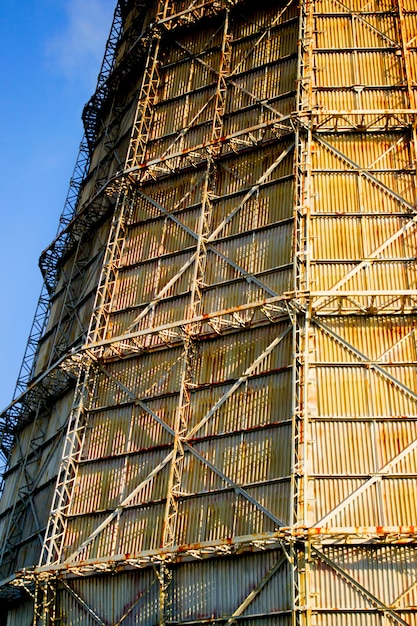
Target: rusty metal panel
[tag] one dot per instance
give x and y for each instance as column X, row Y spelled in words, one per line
column 215, row 589
column 176, row 192
column 353, row 395
column 168, row 312
column 195, row 43
column 228, row 357
column 387, row 339
column 357, row 237
column 375, row 6
column 368, row 447
column 259, row 120
column 261, row 401
column 141, row 284
column 272, row 203
column 129, row 599
column 162, row 236
column 210, row 590
column 101, row 485
column 345, row 358
column 239, row 172
column 238, row 293
column 343, row 32
column 346, row 192
column 169, row 116
column 249, row 89
column 225, row 514
column 256, row 18
column 336, row 98
column 386, row 570
column 228, row 424
column 128, row 429
column 246, row 458
column 172, row 145
column 255, row 51
column 146, row 376
column 366, row 387
column 21, row 615
column 139, row 530
column 380, row 152
column 254, row 253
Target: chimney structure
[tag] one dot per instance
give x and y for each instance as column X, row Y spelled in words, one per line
column 216, row 416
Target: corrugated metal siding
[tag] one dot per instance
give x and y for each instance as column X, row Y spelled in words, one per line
column 371, row 425
column 245, row 458
column 128, row 429
column 229, row 356
column 240, row 171
column 21, row 615
column 146, row 376
column 104, row 484
column 161, row 236
column 369, row 68
column 260, row 401
column 27, row 496
column 355, row 238
column 257, row 459
column 271, row 203
column 241, row 292
column 168, row 311
column 188, row 109
column 248, row 438
column 199, row 591
column 357, row 397
column 216, row 588
column 213, row 589
column 149, row 240
column 141, row 284
column 356, row 6
column 374, row 152
column 389, row 571
column 243, row 473
column 173, row 193
column 131, row 598
column 347, row 192
column 254, row 252
column 138, row 530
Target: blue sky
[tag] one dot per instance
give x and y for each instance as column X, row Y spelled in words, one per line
column 51, row 52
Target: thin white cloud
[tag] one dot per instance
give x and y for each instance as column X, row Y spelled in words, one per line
column 77, row 50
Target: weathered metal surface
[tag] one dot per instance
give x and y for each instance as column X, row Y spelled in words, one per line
column 246, row 437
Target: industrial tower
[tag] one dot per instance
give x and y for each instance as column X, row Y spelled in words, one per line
column 216, row 417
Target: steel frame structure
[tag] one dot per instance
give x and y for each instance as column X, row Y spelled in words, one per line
column 329, row 319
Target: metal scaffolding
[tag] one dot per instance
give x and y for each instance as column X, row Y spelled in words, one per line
column 222, row 385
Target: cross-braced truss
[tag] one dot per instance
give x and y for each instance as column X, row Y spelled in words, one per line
column 246, row 382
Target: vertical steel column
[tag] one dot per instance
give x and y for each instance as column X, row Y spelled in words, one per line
column 136, row 154
column 405, row 57
column 190, row 333
column 180, row 429
column 164, row 575
column 210, row 176
column 55, row 531
column 299, row 308
column 101, row 311
column 45, row 602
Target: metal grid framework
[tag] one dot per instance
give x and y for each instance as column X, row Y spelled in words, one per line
column 245, row 404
